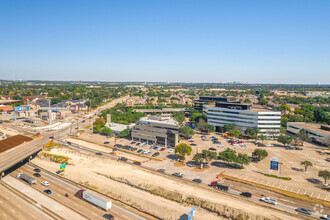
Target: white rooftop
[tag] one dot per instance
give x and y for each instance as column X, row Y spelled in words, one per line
column 159, row 119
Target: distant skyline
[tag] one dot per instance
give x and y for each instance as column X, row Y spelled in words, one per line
column 178, row 41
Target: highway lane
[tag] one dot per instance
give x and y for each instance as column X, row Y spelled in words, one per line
column 14, row 207
column 60, row 188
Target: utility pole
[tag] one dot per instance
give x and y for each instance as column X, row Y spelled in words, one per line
column 50, row 113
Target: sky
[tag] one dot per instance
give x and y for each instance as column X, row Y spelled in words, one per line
column 273, row 41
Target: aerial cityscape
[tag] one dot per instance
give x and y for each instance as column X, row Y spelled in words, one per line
column 183, row 110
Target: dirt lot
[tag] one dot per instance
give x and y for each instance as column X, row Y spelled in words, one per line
column 153, row 193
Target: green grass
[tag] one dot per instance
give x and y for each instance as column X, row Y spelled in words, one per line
column 279, row 177
column 56, row 158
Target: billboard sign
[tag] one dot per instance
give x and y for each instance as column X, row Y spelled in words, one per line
column 191, row 214
column 22, row 108
column 274, row 163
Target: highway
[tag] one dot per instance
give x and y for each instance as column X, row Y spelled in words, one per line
column 60, row 187
column 13, row 207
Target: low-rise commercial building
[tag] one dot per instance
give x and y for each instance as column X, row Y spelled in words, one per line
column 244, row 116
column 206, row 100
column 160, row 130
column 317, row 132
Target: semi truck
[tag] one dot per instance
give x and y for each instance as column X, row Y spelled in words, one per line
column 27, row 178
column 94, row 199
column 217, row 184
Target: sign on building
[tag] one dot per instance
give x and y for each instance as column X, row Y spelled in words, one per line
column 62, row 166
column 191, row 214
column 22, row 108
column 274, row 163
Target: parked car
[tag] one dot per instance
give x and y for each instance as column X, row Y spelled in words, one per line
column 107, row 142
column 298, row 148
column 269, row 145
column 268, row 200
column 37, row 175
column 246, row 194
column 161, row 170
column 162, row 149
column 79, row 146
column 178, row 175
column 51, row 137
column 45, row 183
column 108, row 217
column 171, row 151
column 133, row 142
column 37, row 170
column 304, row 210
column 289, row 148
column 122, row 159
column 48, row 191
column 140, row 151
column 212, row 149
column 137, row 162
column 155, row 154
column 328, row 159
column 197, row 180
column 220, row 145
column 191, row 140
column 69, row 143
column 99, row 153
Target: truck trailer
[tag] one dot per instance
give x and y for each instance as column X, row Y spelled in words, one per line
column 94, row 199
column 27, row 178
column 217, row 184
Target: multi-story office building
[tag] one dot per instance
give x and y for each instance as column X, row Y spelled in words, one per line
column 160, row 130
column 317, row 132
column 244, row 116
column 205, row 100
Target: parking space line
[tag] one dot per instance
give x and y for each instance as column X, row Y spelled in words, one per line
column 280, row 186
column 286, row 187
column 262, row 181
column 273, row 185
column 312, row 194
column 291, row 189
column 298, row 190
column 318, row 196
column 305, row 192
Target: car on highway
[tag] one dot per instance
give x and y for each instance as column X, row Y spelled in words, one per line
column 137, row 162
column 289, row 148
column 37, row 170
column 268, row 200
column 171, row 151
column 298, row 148
column 45, row 183
column 155, row 154
column 328, row 159
column 79, row 146
column 269, row 145
column 325, row 217
column 197, row 180
column 108, row 216
column 122, row 159
column 212, row 149
column 48, row 191
column 106, row 142
column 51, row 137
column 37, row 175
column 68, row 142
column 246, row 194
column 161, row 170
column 304, row 210
column 178, row 175
column 99, row 153
column 193, row 144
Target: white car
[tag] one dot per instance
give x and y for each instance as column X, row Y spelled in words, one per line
column 45, row 183
column 269, row 145
column 220, row 145
column 171, row 151
column 269, row 200
column 325, row 217
column 19, row 175
column 79, row 146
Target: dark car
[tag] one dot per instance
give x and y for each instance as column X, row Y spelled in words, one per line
column 134, row 149
column 108, row 216
column 212, row 149
column 140, row 151
column 197, row 180
column 122, row 159
column 37, row 170
column 37, row 175
column 161, row 170
column 155, row 154
column 298, row 148
column 48, row 191
column 288, row 148
column 178, row 175
column 304, row 210
column 69, row 143
column 246, row 194
column 107, row 142
column 118, row 145
column 133, row 142
column 99, row 153
column 51, row 137
column 137, row 163
column 193, row 144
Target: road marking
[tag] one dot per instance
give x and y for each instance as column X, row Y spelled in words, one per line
column 4, row 214
column 1, row 202
column 273, row 185
column 19, row 206
column 318, row 196
column 280, row 186
column 312, row 193
column 262, row 181
column 286, row 187
column 12, row 211
column 305, row 192
column 298, row 190
column 291, row 189
column 94, row 214
column 33, row 216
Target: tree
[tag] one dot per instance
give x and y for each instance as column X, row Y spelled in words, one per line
column 306, row 164
column 201, row 123
column 107, row 131
column 284, row 139
column 243, row 159
column 99, row 121
column 179, row 116
column 325, row 174
column 303, row 136
column 186, row 131
column 260, row 154
column 97, row 128
column 263, row 101
column 262, row 138
column 209, row 155
column 198, row 158
column 207, row 128
column 183, row 150
column 228, row 127
column 125, row 133
column 235, row 132
column 228, row 155
column 284, row 108
column 249, row 132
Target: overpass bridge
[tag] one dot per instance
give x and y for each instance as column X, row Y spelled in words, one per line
column 14, row 155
